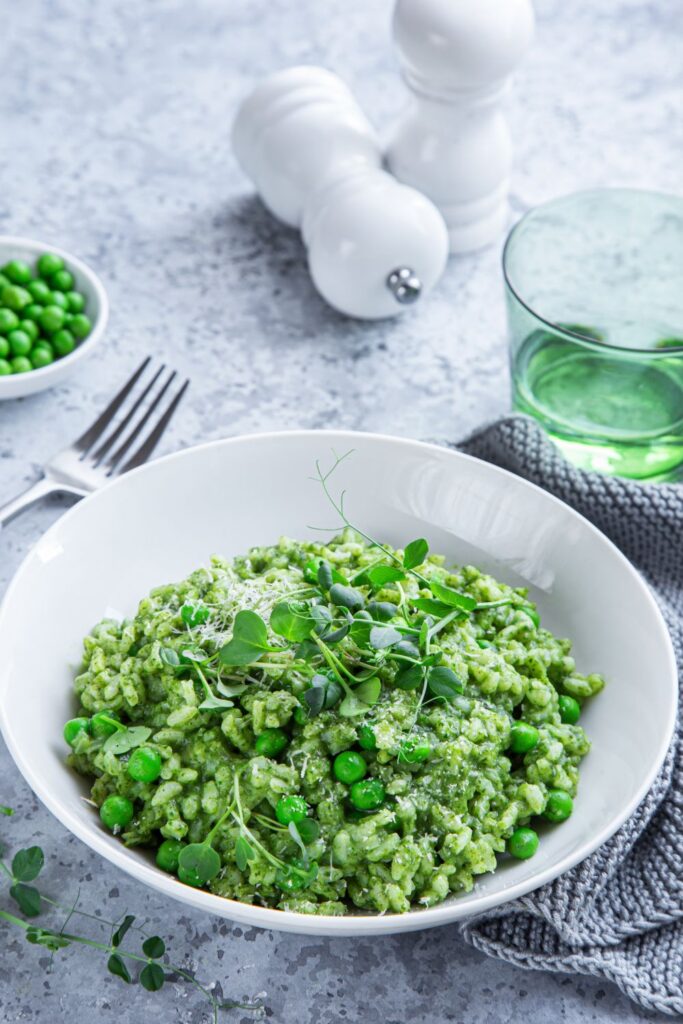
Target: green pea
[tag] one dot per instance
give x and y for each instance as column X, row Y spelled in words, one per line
column 17, row 271
column 523, row 843
column 21, row 364
column 366, row 738
column 15, row 297
column 19, row 343
column 523, row 737
column 168, row 854
column 40, row 357
column 349, row 767
column 4, row 347
column 51, row 318
column 116, row 812
column 103, row 723
column 291, row 808
column 367, row 795
column 30, row 327
column 76, row 302
column 40, row 292
column 5, row 368
column 63, row 280
column 190, row 877
column 8, row 320
column 58, row 299
column 558, row 806
column 144, row 765
column 81, row 325
column 74, row 728
column 49, row 263
column 271, row 742
column 570, row 709
column 31, row 312
column 63, row 342
column 414, row 750
column 3, row 281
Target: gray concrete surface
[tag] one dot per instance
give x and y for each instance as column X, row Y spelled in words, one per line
column 114, row 143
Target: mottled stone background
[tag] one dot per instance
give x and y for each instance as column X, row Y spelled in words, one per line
column 114, row 143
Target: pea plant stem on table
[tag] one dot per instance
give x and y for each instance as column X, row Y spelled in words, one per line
column 153, row 966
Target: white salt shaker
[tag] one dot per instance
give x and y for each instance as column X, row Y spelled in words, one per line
column 454, row 142
column 374, row 245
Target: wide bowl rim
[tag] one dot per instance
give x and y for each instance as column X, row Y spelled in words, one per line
column 293, row 921
column 41, row 377
column 583, row 339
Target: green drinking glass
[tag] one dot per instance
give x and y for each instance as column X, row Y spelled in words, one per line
column 594, row 288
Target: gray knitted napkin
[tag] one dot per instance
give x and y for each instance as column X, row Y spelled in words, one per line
column 619, row 914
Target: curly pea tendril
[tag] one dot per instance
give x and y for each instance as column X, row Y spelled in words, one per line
column 154, row 966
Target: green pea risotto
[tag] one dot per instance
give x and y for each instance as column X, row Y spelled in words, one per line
column 326, row 728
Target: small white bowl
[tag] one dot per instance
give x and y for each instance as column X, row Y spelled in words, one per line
column 96, row 307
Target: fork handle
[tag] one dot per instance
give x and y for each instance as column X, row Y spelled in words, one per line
column 40, row 489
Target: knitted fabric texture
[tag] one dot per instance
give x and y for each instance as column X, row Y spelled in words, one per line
column 619, row 914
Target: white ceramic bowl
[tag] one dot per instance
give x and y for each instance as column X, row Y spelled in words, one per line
column 158, row 523
column 96, row 307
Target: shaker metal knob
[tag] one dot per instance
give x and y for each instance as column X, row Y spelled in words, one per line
column 405, row 285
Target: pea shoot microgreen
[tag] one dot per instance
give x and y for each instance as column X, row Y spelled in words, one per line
column 154, row 969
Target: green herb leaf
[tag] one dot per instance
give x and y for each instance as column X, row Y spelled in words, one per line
column 307, row 650
column 337, row 634
column 325, row 575
column 27, row 864
column 309, row 830
column 9, row 811
column 443, row 682
column 415, row 553
column 123, row 740
column 249, row 640
column 407, row 648
column 154, row 947
column 213, row 703
column 384, row 636
column 382, row 610
column 117, row 937
column 369, row 691
column 116, row 966
column 202, row 859
column 409, row 678
column 243, row 853
column 485, row 644
column 322, row 617
column 27, row 897
column 43, row 937
column 193, row 656
column 232, row 690
column 380, row 575
column 322, row 694
column 169, row 657
column 291, row 620
column 431, row 606
column 346, row 597
column 152, row 977
column 294, row 833
column 451, row 597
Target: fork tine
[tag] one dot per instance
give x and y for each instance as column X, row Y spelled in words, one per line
column 110, row 441
column 96, row 429
column 113, row 462
column 148, row 446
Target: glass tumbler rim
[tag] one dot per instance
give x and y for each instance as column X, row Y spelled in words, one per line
column 560, row 328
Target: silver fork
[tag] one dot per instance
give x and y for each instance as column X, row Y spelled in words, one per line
column 100, row 453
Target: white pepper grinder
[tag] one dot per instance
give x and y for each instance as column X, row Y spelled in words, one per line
column 374, row 245
column 454, row 142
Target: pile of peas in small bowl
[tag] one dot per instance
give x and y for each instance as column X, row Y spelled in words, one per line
column 42, row 317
